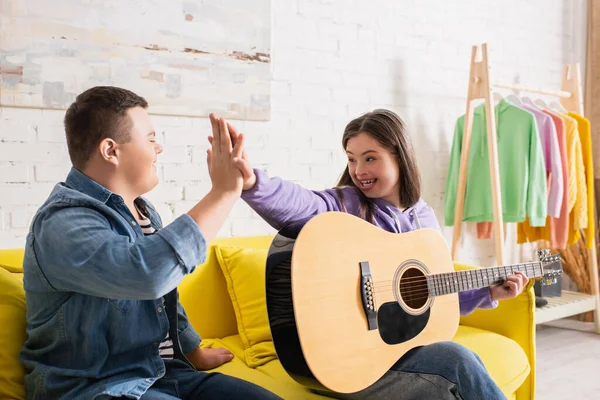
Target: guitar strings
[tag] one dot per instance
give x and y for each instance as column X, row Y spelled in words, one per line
column 424, row 284
column 420, row 287
column 408, row 292
column 443, row 281
column 442, row 277
column 416, row 298
column 415, row 290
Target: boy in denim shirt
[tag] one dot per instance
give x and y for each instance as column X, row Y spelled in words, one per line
column 101, row 273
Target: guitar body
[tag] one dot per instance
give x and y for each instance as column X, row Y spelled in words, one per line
column 328, row 333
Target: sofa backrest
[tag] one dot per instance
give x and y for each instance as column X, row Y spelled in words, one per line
column 12, row 330
column 203, row 293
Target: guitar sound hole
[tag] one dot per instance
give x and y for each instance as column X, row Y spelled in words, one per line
column 413, row 288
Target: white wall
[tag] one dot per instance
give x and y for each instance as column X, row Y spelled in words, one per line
column 332, row 60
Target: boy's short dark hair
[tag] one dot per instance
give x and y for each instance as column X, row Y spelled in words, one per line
column 97, row 114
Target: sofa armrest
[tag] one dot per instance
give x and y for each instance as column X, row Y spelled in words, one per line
column 515, row 319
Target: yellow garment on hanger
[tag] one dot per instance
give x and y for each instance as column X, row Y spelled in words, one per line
column 585, row 137
column 577, row 193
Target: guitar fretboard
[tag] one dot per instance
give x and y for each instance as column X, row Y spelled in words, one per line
column 460, row 281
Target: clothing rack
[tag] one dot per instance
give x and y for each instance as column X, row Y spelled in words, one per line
column 481, row 87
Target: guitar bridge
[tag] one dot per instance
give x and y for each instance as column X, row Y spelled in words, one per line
column 367, row 294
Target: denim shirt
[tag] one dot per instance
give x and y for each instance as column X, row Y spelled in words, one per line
column 93, row 285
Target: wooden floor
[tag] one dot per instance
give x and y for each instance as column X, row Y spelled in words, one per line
column 568, row 361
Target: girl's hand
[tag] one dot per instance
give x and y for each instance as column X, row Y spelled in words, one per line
column 242, row 162
column 511, row 288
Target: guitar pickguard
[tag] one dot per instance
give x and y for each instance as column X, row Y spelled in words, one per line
column 397, row 326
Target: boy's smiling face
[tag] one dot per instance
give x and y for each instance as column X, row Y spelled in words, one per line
column 137, row 157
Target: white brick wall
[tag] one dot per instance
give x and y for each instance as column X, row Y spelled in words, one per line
column 332, row 60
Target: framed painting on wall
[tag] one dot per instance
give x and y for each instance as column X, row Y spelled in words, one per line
column 187, row 58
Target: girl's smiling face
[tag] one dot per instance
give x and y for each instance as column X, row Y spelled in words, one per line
column 373, row 169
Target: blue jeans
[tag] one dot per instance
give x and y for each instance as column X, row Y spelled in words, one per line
column 444, row 370
column 182, row 382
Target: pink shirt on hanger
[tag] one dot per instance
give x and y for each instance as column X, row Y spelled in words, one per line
column 556, row 230
column 552, row 158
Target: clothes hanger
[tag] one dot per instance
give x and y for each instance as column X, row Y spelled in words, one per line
column 514, row 99
column 541, row 104
column 527, row 100
column 557, row 107
column 497, row 98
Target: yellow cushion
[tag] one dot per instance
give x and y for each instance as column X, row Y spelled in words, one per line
column 485, row 343
column 270, row 376
column 12, row 335
column 233, row 343
column 504, row 359
column 12, row 260
column 210, row 310
column 244, row 271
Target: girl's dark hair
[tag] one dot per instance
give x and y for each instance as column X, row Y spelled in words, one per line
column 389, row 130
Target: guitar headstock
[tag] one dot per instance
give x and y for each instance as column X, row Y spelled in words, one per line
column 551, row 266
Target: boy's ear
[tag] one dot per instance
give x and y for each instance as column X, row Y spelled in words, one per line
column 108, row 151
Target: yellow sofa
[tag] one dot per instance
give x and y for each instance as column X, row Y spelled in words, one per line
column 224, row 301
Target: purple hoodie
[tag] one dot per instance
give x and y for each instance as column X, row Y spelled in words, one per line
column 280, row 202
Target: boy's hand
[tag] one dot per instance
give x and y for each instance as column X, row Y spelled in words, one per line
column 512, row 287
column 242, row 163
column 222, row 158
column 208, row 358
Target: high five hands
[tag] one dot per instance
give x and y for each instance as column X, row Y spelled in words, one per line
column 229, row 136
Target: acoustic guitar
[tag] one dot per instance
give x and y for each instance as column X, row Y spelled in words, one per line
column 346, row 299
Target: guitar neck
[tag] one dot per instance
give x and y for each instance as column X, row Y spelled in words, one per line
column 460, row 281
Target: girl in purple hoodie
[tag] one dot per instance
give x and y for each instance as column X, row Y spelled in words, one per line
column 381, row 184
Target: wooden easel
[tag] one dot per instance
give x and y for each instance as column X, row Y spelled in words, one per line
column 481, row 87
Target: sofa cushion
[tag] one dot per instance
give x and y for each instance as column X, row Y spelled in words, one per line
column 270, row 375
column 233, row 343
column 244, row 271
column 504, row 359
column 12, row 335
column 12, row 260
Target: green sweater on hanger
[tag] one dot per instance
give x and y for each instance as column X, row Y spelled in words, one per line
column 521, row 168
